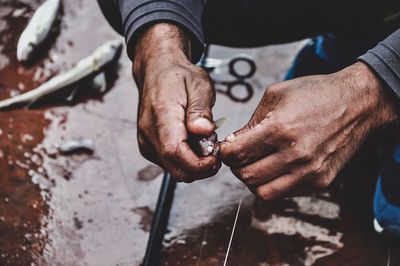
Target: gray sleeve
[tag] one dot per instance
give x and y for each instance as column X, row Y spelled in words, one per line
column 129, row 17
column 384, row 59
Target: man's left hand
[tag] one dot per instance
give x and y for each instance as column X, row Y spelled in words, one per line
column 305, row 130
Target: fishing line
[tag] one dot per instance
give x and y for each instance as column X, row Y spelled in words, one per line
column 234, row 226
column 389, row 254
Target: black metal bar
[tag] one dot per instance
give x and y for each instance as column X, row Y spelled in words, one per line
column 160, row 221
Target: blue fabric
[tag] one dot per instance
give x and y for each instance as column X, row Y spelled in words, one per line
column 386, row 213
column 327, row 54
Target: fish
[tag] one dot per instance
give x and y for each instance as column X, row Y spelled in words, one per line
column 76, row 146
column 88, row 67
column 38, row 29
column 205, row 146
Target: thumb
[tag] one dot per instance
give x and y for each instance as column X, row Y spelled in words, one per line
column 199, row 119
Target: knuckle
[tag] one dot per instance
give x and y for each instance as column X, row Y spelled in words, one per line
column 302, row 153
column 142, row 129
column 322, row 183
column 317, row 168
column 203, row 74
column 178, row 175
column 169, row 150
column 239, row 157
column 262, row 194
column 248, row 177
column 202, row 83
column 143, row 124
column 267, row 192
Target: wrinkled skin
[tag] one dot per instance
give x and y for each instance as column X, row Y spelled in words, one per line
column 176, row 98
column 300, row 137
column 305, row 130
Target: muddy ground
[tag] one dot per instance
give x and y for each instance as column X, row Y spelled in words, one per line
column 96, row 209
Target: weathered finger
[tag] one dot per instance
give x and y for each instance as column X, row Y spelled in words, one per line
column 247, row 147
column 196, row 167
column 201, row 97
column 264, row 170
column 278, row 187
column 175, row 150
column 184, row 175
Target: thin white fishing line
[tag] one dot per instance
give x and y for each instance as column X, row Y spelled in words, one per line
column 234, row 226
column 389, row 254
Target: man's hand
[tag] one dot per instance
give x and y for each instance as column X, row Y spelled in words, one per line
column 175, row 100
column 305, row 130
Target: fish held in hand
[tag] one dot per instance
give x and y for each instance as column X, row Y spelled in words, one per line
column 205, row 146
column 37, row 29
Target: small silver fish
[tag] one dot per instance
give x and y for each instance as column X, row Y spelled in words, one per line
column 87, row 67
column 205, row 146
column 37, row 29
column 74, row 146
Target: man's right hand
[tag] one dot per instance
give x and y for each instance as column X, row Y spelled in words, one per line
column 175, row 101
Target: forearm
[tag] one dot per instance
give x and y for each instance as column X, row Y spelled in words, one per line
column 384, row 62
column 132, row 17
column 370, row 94
column 158, row 45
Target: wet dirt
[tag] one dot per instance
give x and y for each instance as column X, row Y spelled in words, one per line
column 96, row 209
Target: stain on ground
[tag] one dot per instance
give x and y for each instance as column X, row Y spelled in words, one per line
column 149, row 173
column 146, row 216
column 78, row 223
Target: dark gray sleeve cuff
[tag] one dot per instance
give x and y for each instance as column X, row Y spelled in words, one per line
column 384, row 60
column 138, row 14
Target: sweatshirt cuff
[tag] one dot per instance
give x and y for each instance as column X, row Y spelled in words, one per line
column 384, row 60
column 148, row 13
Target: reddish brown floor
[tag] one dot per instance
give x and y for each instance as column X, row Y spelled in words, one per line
column 97, row 209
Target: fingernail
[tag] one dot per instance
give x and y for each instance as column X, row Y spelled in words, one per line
column 202, row 122
column 230, row 138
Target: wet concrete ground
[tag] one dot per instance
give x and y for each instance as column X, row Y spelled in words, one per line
column 96, row 209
